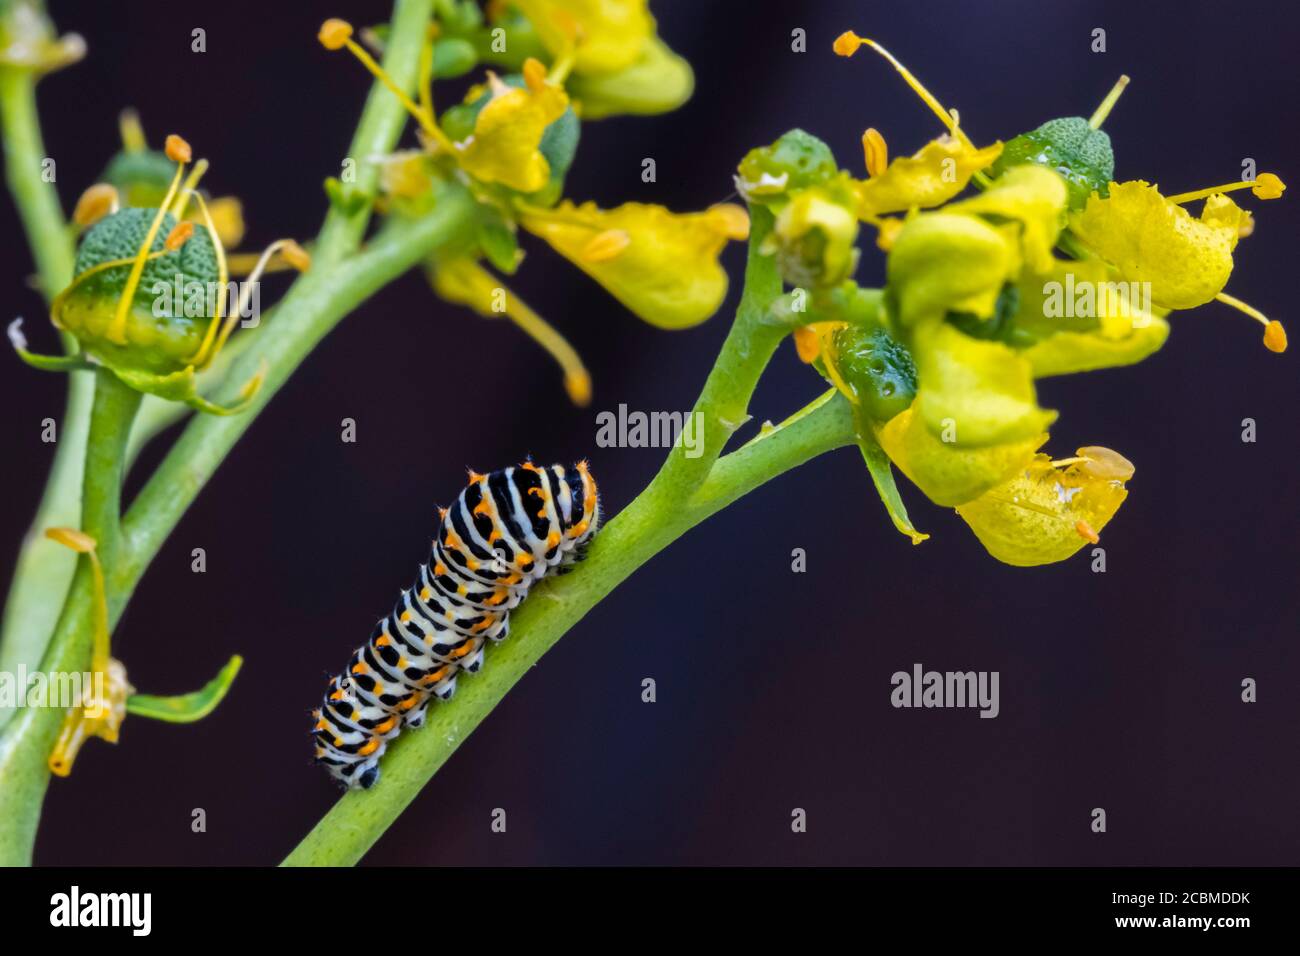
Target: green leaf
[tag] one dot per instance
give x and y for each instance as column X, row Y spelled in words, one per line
column 186, row 708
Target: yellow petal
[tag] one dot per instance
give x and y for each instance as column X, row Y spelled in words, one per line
column 1047, row 512
column 504, row 147
column 947, row 474
column 942, row 262
column 606, row 35
column 938, row 172
column 1031, row 195
column 667, row 272
column 657, row 82
column 1149, row 239
column 1080, row 318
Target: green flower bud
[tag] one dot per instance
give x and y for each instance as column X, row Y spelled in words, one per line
column 796, row 161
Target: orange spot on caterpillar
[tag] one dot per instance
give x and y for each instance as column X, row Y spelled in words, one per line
column 369, row 747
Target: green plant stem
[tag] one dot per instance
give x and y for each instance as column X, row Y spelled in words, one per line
column 642, row 530
column 43, row 570
column 723, row 405
column 341, row 278
column 26, row 742
column 685, row 492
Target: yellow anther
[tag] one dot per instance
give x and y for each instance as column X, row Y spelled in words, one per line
column 1268, row 186
column 1275, row 336
column 875, row 151
column 98, row 201
column 606, row 245
column 295, row 255
column 578, row 385
column 179, row 235
column 334, row 33
column 807, row 343
column 534, row 74
column 177, row 150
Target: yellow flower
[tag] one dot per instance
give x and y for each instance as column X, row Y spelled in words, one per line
column 1032, row 196
column 947, row 474
column 938, row 172
column 1078, row 317
column 1050, row 510
column 1149, row 238
column 662, row 265
column 813, row 239
column 505, row 145
column 619, row 65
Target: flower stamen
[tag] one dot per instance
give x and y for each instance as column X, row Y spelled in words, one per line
column 1263, row 186
column 848, row 43
column 875, row 151
column 1274, row 333
column 179, row 152
column 336, row 34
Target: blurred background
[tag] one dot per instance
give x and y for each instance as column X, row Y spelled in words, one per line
column 1118, row 690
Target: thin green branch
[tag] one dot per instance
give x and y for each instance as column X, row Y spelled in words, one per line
column 44, row 569
column 27, row 739
column 724, row 401
column 642, row 530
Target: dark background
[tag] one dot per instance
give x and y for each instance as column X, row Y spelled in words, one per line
column 1118, row 690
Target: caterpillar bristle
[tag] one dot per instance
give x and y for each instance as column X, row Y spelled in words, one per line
column 506, row 531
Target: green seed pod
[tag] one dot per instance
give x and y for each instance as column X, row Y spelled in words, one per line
column 171, row 309
column 769, row 174
column 141, row 177
column 876, row 368
column 1081, row 154
column 453, row 57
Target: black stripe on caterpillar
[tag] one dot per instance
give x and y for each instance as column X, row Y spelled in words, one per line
column 506, row 531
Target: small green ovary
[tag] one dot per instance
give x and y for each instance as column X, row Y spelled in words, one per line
column 1082, row 155
column 877, row 368
column 173, row 303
